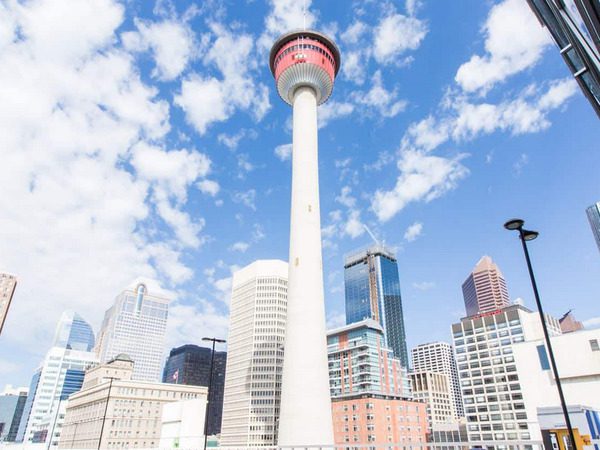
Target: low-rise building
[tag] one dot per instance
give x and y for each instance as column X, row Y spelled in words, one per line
column 114, row 411
column 370, row 391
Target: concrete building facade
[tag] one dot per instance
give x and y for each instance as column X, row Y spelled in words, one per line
column 439, row 357
column 114, row 411
column 492, row 388
column 485, row 290
column 135, row 325
column 255, row 348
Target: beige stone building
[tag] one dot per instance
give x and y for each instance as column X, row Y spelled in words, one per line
column 434, row 389
column 112, row 411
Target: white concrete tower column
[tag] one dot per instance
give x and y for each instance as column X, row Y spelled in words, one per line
column 304, row 64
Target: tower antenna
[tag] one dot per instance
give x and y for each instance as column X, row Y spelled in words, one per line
column 304, row 14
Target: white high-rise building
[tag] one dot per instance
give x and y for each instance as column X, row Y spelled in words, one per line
column 493, row 392
column 255, row 355
column 60, row 374
column 439, row 357
column 135, row 325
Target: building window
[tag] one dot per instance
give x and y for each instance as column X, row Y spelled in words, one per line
column 543, row 357
column 594, row 345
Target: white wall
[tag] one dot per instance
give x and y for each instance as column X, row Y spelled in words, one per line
column 183, row 423
column 578, row 367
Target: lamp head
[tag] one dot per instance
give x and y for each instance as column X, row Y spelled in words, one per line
column 530, row 235
column 514, row 224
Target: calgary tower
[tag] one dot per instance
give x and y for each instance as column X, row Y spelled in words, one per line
column 304, row 64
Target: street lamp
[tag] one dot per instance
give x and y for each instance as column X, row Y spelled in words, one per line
column 210, row 376
column 530, row 235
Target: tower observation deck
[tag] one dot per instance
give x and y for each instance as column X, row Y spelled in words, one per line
column 304, row 64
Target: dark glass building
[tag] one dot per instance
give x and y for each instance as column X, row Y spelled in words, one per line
column 575, row 28
column 372, row 288
column 190, row 364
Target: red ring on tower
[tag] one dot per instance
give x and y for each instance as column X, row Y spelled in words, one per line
column 304, row 58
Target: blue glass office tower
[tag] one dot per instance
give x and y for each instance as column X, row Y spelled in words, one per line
column 372, row 289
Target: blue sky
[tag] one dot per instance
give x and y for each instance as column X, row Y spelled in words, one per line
column 143, row 139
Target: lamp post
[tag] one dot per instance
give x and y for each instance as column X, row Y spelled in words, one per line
column 106, row 409
column 530, row 235
column 210, row 376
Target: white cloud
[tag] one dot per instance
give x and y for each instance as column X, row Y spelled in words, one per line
column 355, row 64
column 521, row 162
column 333, row 110
column 335, row 319
column 412, row 6
column 355, row 31
column 514, row 42
column 396, row 34
column 345, row 198
column 239, row 246
column 413, row 231
column 172, row 170
column 353, row 226
column 171, row 42
column 190, row 323
column 284, row 152
column 244, row 165
column 86, row 168
column 246, row 198
column 285, row 15
column 593, row 322
column 209, row 187
column 379, row 100
column 422, row 178
column 424, row 285
column 207, row 99
column 231, row 141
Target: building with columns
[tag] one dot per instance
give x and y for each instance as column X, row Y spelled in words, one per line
column 114, row 411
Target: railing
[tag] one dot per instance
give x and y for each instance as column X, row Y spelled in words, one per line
column 471, row 445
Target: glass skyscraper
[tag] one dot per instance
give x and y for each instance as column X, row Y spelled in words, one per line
column 593, row 213
column 372, row 288
column 575, row 27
